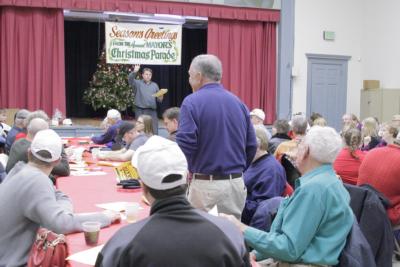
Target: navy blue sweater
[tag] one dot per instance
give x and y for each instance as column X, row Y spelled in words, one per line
column 215, row 132
column 264, row 179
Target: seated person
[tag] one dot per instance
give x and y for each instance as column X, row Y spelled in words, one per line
column 4, row 127
column 32, row 115
column 299, row 129
column 369, row 133
column 18, row 127
column 348, row 162
column 171, row 122
column 257, row 117
column 389, row 133
column 175, row 233
column 19, row 150
column 280, row 130
column 28, row 201
column 381, row 169
column 264, row 179
column 312, row 225
column 108, row 138
column 133, row 140
column 144, row 124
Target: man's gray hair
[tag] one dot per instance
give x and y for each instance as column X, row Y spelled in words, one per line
column 299, row 124
column 37, row 114
column 20, row 117
column 209, row 66
column 324, row 143
column 36, row 125
column 172, row 113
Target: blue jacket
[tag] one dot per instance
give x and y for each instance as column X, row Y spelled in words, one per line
column 264, row 179
column 109, row 136
column 215, row 132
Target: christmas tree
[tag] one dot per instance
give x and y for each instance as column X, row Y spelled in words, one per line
column 109, row 87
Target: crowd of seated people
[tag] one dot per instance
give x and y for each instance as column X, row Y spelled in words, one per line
column 313, row 224
column 352, row 160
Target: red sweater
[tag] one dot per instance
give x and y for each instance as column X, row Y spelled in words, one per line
column 381, row 170
column 347, row 167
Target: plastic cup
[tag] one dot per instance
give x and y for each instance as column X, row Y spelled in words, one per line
column 131, row 211
column 91, row 231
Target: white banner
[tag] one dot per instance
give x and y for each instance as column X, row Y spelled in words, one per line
column 150, row 44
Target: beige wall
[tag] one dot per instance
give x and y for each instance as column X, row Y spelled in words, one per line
column 312, row 17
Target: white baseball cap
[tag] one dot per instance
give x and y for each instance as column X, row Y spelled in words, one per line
column 113, row 114
column 47, row 140
column 157, row 159
column 258, row 113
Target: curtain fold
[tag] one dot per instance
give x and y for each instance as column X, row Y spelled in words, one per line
column 247, row 50
column 152, row 7
column 32, row 59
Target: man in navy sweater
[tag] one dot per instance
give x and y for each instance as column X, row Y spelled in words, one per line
column 216, row 135
column 175, row 234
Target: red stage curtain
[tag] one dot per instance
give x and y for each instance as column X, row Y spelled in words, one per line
column 32, row 73
column 152, row 7
column 247, row 50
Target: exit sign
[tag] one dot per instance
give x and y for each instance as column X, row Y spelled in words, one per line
column 329, row 36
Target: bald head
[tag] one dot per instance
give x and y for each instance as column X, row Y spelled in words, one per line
column 36, row 125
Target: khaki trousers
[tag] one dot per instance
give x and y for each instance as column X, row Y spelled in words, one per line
column 229, row 195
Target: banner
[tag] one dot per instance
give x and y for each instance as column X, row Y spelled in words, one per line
column 150, row 44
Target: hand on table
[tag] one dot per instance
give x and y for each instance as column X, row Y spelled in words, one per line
column 233, row 219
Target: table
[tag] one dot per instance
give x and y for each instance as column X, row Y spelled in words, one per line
column 87, row 191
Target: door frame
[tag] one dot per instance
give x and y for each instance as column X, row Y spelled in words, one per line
column 326, row 59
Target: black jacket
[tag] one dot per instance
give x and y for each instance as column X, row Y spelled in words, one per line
column 176, row 234
column 369, row 208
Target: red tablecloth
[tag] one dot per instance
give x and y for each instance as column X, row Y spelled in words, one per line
column 87, row 191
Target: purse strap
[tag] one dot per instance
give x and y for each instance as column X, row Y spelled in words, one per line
column 48, row 238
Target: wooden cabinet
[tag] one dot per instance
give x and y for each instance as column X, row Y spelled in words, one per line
column 380, row 103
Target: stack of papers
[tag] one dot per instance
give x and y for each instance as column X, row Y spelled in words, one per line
column 114, row 206
column 87, row 173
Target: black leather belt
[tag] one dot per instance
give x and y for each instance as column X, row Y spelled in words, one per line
column 199, row 176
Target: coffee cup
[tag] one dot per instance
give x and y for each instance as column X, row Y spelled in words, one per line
column 91, row 231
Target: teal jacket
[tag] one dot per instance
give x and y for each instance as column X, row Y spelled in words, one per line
column 311, row 226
